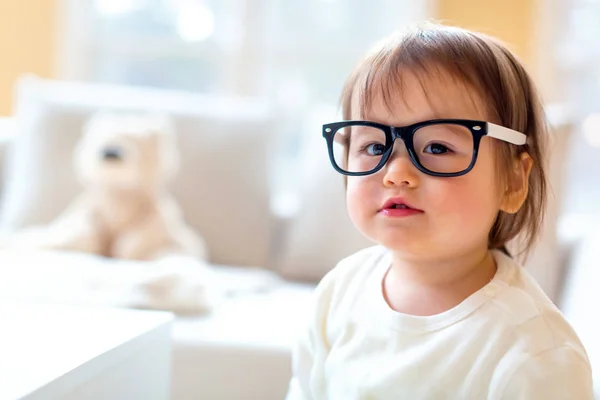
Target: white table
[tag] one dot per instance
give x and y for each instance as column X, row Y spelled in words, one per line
column 56, row 352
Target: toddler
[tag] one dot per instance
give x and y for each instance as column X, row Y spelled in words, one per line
column 442, row 146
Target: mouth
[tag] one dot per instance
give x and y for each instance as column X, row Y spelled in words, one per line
column 399, row 204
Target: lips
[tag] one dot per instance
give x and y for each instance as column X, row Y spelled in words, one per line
column 397, row 203
column 398, row 207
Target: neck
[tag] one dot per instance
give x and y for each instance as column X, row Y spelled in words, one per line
column 430, row 287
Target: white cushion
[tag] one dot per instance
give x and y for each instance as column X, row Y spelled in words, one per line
column 223, row 183
column 248, row 334
column 320, row 233
column 247, row 338
column 178, row 284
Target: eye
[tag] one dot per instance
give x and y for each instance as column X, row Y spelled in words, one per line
column 374, row 149
column 112, row 153
column 436, row 148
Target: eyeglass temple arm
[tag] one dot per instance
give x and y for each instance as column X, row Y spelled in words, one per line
column 506, row 134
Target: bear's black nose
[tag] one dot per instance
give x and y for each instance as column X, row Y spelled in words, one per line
column 112, row 153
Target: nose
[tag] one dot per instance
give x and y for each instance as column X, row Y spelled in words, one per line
column 399, row 169
column 112, row 153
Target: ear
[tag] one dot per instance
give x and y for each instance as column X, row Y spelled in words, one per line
column 518, row 187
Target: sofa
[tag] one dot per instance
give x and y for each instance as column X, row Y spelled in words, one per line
column 233, row 189
column 255, row 183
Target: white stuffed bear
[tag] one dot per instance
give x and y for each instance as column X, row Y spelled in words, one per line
column 124, row 162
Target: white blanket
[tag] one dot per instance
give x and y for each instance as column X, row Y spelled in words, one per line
column 178, row 284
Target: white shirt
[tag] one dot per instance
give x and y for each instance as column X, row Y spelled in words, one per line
column 505, row 341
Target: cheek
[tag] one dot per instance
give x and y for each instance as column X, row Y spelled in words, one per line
column 473, row 198
column 463, row 208
column 361, row 195
column 466, row 198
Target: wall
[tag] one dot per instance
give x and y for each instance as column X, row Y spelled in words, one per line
column 27, row 43
column 530, row 28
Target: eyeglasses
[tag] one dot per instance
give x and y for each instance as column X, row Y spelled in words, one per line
column 441, row 147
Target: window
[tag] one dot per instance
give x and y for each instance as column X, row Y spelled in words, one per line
column 293, row 49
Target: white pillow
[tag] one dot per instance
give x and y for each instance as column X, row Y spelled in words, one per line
column 321, row 232
column 222, row 186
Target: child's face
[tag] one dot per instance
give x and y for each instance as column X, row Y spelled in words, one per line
column 457, row 213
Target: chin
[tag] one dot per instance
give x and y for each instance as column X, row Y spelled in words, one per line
column 404, row 247
column 400, row 241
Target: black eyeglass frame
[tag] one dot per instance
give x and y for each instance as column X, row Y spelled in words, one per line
column 477, row 128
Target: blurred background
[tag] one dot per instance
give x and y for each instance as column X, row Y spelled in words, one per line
column 296, row 53
column 222, row 60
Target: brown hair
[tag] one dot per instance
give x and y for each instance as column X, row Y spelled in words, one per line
column 485, row 65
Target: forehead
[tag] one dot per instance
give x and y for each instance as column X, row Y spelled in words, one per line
column 412, row 96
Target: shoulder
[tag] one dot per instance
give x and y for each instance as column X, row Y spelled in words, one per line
column 525, row 307
column 556, row 373
column 543, row 345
